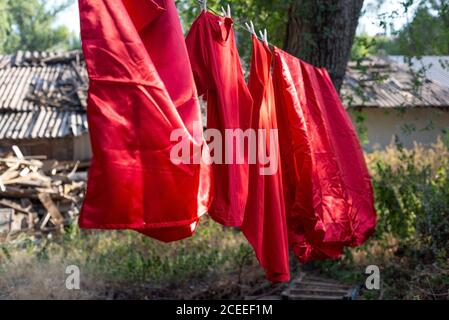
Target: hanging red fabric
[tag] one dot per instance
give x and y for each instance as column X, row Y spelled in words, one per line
column 218, row 75
column 328, row 190
column 134, row 104
column 264, row 224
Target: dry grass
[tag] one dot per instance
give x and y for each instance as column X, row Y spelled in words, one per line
column 23, row 277
column 215, row 263
column 434, row 157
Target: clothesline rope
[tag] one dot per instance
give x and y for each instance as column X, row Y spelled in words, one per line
column 236, row 23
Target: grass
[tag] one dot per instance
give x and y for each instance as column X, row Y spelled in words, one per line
column 214, row 263
column 410, row 246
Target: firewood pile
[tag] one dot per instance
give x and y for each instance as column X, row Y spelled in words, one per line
column 38, row 195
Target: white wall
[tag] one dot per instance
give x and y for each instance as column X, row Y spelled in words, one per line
column 383, row 124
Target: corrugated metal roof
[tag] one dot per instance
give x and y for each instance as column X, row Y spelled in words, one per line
column 42, row 95
column 381, row 82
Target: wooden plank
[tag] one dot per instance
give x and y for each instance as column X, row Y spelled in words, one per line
column 314, row 297
column 18, row 152
column 316, row 287
column 28, row 181
column 322, row 284
column 320, row 291
column 14, row 206
column 47, row 202
column 13, row 192
column 14, row 161
column 8, row 174
column 32, row 193
column 44, row 221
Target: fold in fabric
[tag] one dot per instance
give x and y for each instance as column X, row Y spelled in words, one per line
column 327, row 187
column 264, row 224
column 219, row 77
column 134, row 104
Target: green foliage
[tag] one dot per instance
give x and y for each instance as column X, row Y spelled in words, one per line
column 29, row 25
column 4, row 21
column 269, row 14
column 363, row 47
column 360, row 125
column 413, row 200
column 412, row 235
column 427, row 34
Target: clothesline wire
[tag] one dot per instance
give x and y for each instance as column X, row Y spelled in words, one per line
column 239, row 25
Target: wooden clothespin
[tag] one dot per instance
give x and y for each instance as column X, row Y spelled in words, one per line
column 226, row 13
column 264, row 36
column 250, row 27
column 203, row 4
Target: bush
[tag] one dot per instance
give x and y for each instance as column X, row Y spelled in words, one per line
column 412, row 236
column 412, row 195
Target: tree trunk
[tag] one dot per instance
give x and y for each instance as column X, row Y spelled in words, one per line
column 321, row 32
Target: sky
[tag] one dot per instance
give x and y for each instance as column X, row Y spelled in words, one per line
column 369, row 22
column 391, row 11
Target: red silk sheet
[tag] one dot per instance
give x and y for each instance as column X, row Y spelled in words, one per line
column 264, row 225
column 328, row 192
column 141, row 89
column 219, row 77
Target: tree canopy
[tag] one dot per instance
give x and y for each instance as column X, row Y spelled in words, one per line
column 427, row 33
column 30, row 25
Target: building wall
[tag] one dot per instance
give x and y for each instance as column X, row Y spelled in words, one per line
column 82, row 148
column 71, row 148
column 422, row 125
